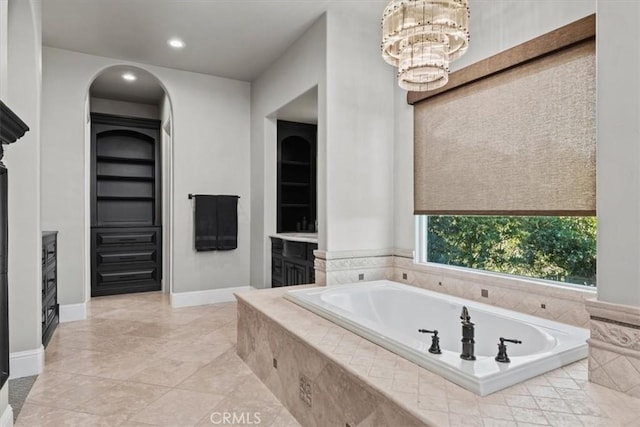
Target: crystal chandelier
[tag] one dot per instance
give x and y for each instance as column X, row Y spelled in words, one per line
column 421, row 38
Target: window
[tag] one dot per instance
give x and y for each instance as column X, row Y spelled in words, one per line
column 554, row 248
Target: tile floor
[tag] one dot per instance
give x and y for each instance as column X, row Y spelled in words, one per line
column 137, row 362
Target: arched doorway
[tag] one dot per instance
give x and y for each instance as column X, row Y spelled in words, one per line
column 128, row 157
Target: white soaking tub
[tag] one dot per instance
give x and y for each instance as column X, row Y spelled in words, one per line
column 390, row 314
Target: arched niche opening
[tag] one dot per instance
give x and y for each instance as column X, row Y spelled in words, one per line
column 128, row 135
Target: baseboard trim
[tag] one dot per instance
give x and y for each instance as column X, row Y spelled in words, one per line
column 26, row 363
column 73, row 312
column 213, row 296
column 6, row 420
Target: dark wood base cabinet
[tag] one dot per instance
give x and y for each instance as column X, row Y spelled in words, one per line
column 50, row 306
column 292, row 263
column 125, row 260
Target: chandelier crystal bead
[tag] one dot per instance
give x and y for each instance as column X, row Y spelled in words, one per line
column 422, row 37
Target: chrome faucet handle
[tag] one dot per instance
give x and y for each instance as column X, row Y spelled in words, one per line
column 435, row 341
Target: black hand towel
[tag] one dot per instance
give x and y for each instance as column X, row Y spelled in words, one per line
column 227, row 223
column 206, row 223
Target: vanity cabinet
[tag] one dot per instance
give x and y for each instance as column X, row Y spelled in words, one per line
column 295, row 273
column 50, row 306
column 292, row 262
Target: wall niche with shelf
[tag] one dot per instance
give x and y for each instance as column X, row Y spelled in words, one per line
column 126, row 171
column 297, row 152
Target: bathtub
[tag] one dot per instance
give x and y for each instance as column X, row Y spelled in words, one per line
column 390, row 314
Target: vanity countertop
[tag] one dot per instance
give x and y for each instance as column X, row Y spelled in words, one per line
column 297, row 237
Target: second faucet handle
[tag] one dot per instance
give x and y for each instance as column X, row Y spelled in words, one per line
column 502, row 350
column 435, row 341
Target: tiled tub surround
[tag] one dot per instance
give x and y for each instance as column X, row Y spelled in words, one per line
column 339, row 268
column 614, row 347
column 318, row 390
column 565, row 304
column 327, row 376
column 391, row 314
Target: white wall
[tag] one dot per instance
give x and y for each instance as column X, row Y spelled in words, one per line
column 360, row 131
column 340, row 54
column 301, row 67
column 167, row 185
column 4, row 10
column 499, row 25
column 210, row 155
column 495, row 26
column 618, row 166
column 23, row 161
column 4, row 13
column 122, row 108
column 404, row 231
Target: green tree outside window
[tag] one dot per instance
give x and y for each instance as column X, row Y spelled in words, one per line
column 554, row 248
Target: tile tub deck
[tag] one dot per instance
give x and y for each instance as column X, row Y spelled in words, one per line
column 317, row 359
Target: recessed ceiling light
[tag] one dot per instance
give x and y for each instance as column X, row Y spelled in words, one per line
column 176, row 43
column 130, row 77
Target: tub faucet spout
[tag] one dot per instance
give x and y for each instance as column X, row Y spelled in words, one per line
column 468, row 332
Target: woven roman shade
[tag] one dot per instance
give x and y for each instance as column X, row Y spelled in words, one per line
column 517, row 142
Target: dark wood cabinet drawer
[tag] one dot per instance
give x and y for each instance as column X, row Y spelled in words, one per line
column 296, row 250
column 276, row 267
column 48, row 251
column 108, row 277
column 125, row 238
column 49, row 283
column 294, row 274
column 310, row 248
column 44, row 286
column 276, row 246
column 50, row 307
column 51, row 313
column 126, row 257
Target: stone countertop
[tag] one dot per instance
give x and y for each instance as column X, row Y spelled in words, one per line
column 297, row 237
column 562, row 397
